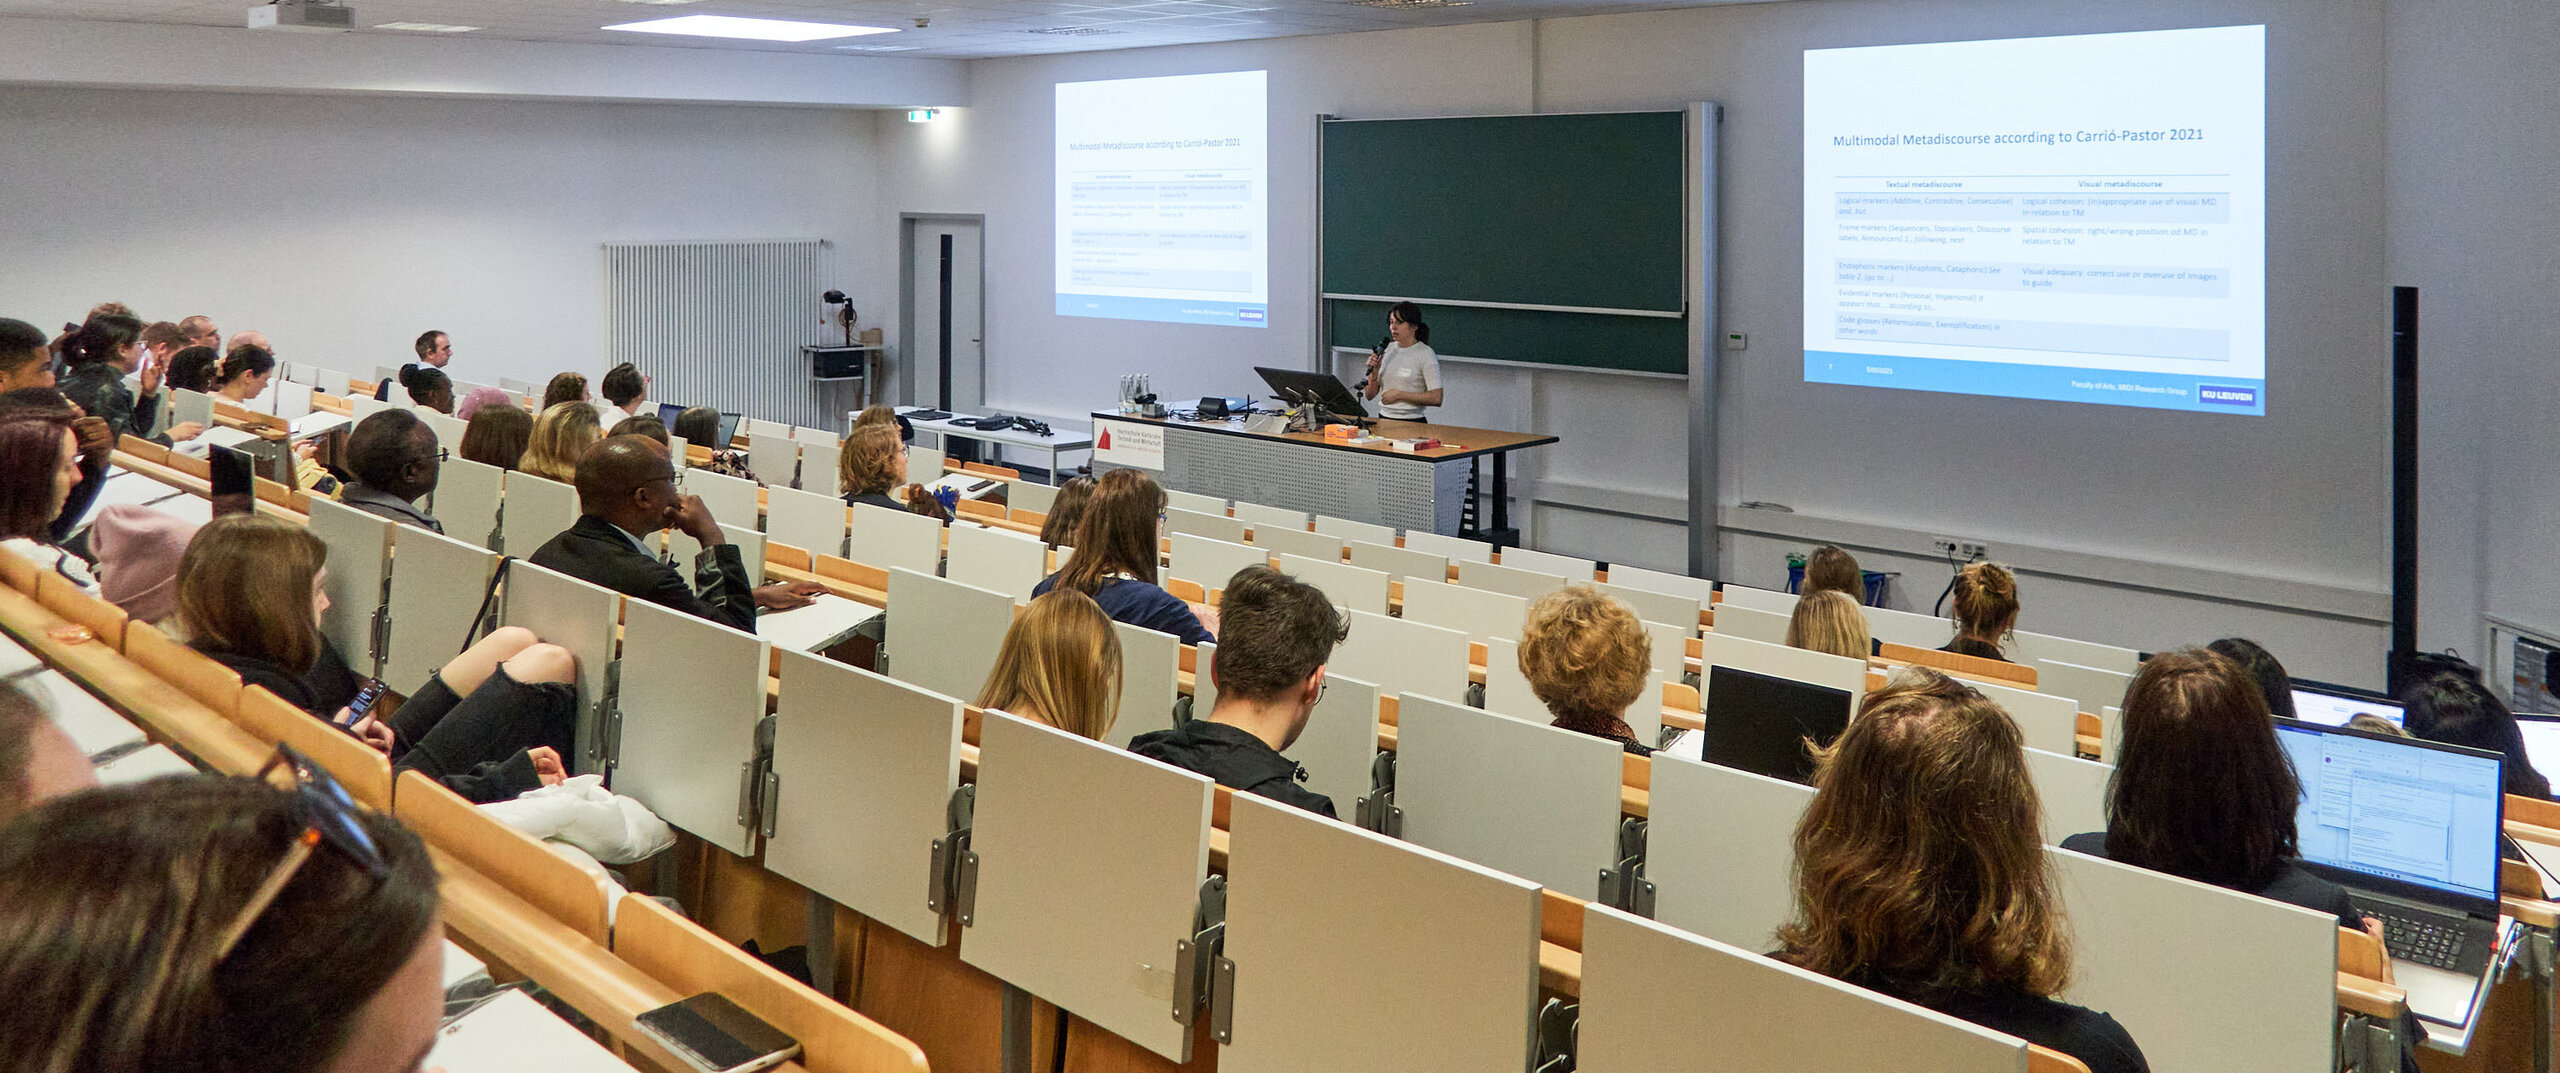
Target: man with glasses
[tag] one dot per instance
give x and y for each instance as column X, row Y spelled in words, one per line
column 1275, row 633
column 627, row 491
column 395, row 460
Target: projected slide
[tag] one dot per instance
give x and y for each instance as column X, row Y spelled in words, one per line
column 1163, row 200
column 2072, row 218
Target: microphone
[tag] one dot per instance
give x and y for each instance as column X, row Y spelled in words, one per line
column 1383, row 340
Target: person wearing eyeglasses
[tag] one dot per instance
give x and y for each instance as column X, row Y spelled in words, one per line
column 395, row 461
column 626, row 492
column 490, row 724
column 303, row 937
column 1275, row 634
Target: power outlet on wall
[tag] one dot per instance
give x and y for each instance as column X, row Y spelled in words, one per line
column 1961, row 549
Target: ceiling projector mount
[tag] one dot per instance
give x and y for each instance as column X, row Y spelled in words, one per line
column 303, row 16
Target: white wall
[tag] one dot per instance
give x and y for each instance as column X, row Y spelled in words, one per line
column 2162, row 527
column 344, row 226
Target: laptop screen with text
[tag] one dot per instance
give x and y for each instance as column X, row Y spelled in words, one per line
column 2397, row 808
column 2334, row 709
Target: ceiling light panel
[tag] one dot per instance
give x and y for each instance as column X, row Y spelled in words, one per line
column 734, row 27
column 425, row 27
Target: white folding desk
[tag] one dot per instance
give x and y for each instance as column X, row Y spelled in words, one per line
column 865, row 767
column 1055, row 443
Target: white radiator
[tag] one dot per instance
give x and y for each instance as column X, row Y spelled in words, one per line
column 719, row 324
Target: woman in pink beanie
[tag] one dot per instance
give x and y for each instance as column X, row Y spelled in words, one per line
column 138, row 549
column 479, row 397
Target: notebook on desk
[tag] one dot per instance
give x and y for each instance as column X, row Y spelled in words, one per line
column 511, row 1032
column 2411, row 829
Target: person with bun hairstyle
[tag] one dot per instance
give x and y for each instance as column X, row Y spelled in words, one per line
column 1059, row 664
column 193, row 369
column 99, row 354
column 1920, row 874
column 1828, row 621
column 1115, row 561
column 1587, row 657
column 1404, row 373
column 245, row 371
column 218, row 925
column 1986, row 610
column 429, row 387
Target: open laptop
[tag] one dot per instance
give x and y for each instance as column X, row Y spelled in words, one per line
column 2331, row 706
column 2411, row 829
column 2541, row 741
column 1760, row 723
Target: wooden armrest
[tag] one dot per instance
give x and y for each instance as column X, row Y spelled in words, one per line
column 2043, row 1060
column 678, row 952
column 512, row 933
column 2531, row 912
column 2372, row 998
column 2359, row 954
column 364, row 772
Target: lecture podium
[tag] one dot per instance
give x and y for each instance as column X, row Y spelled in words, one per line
column 1418, row 490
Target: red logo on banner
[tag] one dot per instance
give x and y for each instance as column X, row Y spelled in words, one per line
column 1104, row 444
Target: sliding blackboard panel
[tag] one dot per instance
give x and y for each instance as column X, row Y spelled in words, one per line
column 1636, row 344
column 1569, row 210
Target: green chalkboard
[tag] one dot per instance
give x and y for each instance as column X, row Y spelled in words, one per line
column 1557, row 210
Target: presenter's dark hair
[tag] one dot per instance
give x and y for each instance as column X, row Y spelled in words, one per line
column 2201, row 789
column 700, row 426
column 115, row 964
column 1118, row 533
column 2262, row 667
column 1411, row 314
column 2457, row 710
column 622, row 384
column 1276, row 630
column 102, row 338
column 244, row 359
column 193, row 369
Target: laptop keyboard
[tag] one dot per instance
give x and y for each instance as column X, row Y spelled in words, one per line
column 2424, row 940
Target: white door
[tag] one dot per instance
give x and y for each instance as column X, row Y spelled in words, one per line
column 947, row 305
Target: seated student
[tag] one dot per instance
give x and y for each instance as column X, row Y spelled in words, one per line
column 1115, row 560
column 244, row 373
column 480, row 397
column 97, row 356
column 1065, row 511
column 627, row 490
column 1586, row 657
column 1919, row 873
column 114, row 964
column 395, row 461
column 2261, row 665
column 642, row 425
column 566, row 387
column 138, row 551
column 883, row 415
column 700, row 427
column 496, row 434
column 490, row 724
column 26, row 357
column 1059, row 664
column 872, row 469
column 97, row 449
column 1830, row 569
column 39, row 465
column 428, row 386
column 38, row 760
column 1828, row 621
column 624, row 389
column 2203, row 791
column 1986, row 610
column 193, row 369
column 2454, row 708
column 561, row 435
column 434, row 349
column 1278, row 632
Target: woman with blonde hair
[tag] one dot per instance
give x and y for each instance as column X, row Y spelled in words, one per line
column 1115, row 562
column 1986, row 610
column 1060, row 664
column 1587, row 657
column 1828, row 621
column 561, row 436
column 1920, row 873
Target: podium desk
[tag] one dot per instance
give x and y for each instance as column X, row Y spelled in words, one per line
column 1054, row 443
column 1418, row 490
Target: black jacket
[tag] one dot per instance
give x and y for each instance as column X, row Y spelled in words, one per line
column 599, row 553
column 1238, row 760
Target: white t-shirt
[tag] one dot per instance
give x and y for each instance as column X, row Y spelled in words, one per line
column 1407, row 368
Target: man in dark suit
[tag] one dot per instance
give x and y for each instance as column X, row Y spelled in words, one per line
column 626, row 489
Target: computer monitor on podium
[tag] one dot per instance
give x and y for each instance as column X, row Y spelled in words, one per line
column 1299, row 386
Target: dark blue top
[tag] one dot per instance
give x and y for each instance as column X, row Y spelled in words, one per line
column 1140, row 604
